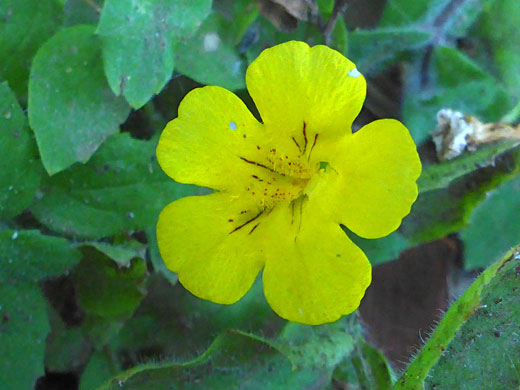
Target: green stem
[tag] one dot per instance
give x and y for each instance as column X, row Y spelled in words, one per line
column 414, row 376
column 339, row 6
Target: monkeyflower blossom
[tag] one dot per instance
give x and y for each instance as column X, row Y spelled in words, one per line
column 284, row 186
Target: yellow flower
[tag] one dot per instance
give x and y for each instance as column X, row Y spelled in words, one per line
column 284, row 186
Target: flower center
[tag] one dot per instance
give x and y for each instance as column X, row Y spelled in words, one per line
column 282, row 173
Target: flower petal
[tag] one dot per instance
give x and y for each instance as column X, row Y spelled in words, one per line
column 313, row 274
column 203, row 145
column 292, row 83
column 198, row 238
column 371, row 184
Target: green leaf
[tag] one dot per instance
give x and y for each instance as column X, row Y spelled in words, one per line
column 460, row 84
column 122, row 188
column 108, row 292
column 24, row 26
column 106, row 289
column 23, row 331
column 325, row 7
column 444, row 18
column 211, row 57
column 366, row 368
column 67, row 348
column 402, row 12
column 26, row 257
column 21, row 172
column 244, row 13
column 490, row 304
column 97, row 372
column 486, row 348
column 303, row 357
column 184, row 325
column 122, row 254
column 493, row 228
column 138, row 43
column 371, row 362
column 438, row 176
column 371, row 49
column 499, row 28
column 71, row 108
column 105, row 293
column 340, row 36
column 234, row 360
column 81, row 12
column 440, row 212
column 323, row 346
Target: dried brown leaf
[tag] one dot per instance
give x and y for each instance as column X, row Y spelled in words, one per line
column 456, row 132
